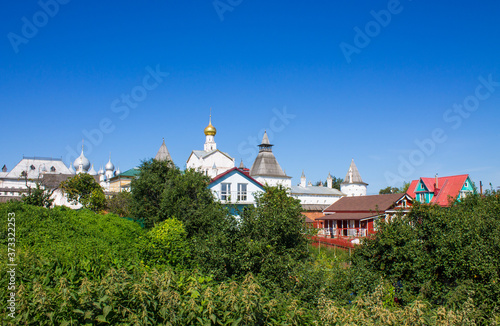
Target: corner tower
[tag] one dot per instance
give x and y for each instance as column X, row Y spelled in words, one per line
column 353, row 185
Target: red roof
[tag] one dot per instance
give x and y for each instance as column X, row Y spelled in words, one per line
column 447, row 187
column 242, row 171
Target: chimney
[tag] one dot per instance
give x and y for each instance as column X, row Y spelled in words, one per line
column 436, row 185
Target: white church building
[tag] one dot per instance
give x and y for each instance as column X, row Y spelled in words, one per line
column 210, row 161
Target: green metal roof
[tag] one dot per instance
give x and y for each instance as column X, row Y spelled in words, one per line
column 129, row 173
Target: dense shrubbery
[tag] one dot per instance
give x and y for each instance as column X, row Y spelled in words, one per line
column 165, row 244
column 72, row 237
column 444, row 255
column 119, row 204
column 437, row 266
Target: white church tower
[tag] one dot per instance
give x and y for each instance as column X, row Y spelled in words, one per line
column 210, row 161
column 210, row 132
column 353, row 185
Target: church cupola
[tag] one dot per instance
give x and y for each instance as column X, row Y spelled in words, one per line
column 210, row 133
column 303, row 180
column 110, row 167
column 92, row 170
column 81, row 164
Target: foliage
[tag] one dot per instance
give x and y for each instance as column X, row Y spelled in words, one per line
column 162, row 191
column 152, row 298
column 272, row 235
column 336, row 182
column 404, row 188
column 97, row 201
column 378, row 308
column 394, row 190
column 72, row 237
column 38, row 196
column 154, row 176
column 78, row 267
column 444, row 254
column 119, row 203
column 84, row 189
column 389, row 190
column 190, row 298
column 166, row 243
column 187, row 197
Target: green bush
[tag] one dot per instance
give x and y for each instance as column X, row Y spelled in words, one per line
column 445, row 255
column 72, row 237
column 165, row 244
column 119, row 204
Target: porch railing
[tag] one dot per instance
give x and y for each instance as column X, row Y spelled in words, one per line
column 342, row 232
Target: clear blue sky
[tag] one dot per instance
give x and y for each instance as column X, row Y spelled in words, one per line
column 370, row 97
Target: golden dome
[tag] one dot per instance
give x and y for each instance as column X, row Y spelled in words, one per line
column 210, row 130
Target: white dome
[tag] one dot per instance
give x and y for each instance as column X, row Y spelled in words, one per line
column 71, row 169
column 101, row 171
column 92, row 171
column 109, row 166
column 117, row 172
column 82, row 160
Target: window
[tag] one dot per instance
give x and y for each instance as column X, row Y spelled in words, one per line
column 225, row 191
column 242, row 191
column 52, row 169
column 32, row 167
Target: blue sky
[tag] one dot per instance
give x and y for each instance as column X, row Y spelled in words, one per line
column 405, row 88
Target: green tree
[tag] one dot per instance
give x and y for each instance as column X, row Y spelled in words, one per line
column 84, row 189
column 162, row 191
column 119, row 203
column 272, row 235
column 154, row 176
column 404, row 188
column 336, row 182
column 38, row 196
column 445, row 254
column 389, row 190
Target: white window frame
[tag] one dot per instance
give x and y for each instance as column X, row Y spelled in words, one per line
column 225, row 194
column 242, row 194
